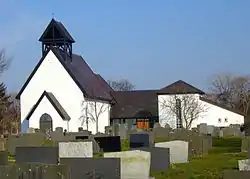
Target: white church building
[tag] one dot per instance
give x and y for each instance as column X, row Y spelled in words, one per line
column 63, row 91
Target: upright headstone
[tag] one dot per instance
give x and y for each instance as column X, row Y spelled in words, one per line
column 75, row 149
column 134, row 164
column 235, row 174
column 31, row 130
column 81, row 168
column 96, row 147
column 43, row 154
column 244, row 165
column 109, row 143
column 122, row 131
column 139, row 140
column 3, row 158
column 160, row 158
column 178, row 150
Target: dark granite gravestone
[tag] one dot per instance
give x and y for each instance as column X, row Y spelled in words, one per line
column 81, row 137
column 44, row 155
column 139, row 140
column 34, row 171
column 109, row 144
column 36, row 139
column 235, row 174
column 3, row 158
column 104, row 168
column 160, row 158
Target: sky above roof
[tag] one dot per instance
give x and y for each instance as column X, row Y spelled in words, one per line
column 150, row 43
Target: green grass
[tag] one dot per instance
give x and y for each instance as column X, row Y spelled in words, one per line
column 207, row 167
column 224, row 155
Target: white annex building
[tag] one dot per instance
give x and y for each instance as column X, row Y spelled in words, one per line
column 63, row 91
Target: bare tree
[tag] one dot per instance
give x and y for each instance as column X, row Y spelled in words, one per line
column 232, row 90
column 121, row 85
column 4, row 61
column 91, row 111
column 186, row 108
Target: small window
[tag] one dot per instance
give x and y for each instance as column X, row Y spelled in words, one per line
column 219, row 120
column 226, row 120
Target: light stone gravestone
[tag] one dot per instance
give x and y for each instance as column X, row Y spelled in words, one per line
column 244, row 165
column 178, row 150
column 75, row 150
column 31, row 130
column 134, row 164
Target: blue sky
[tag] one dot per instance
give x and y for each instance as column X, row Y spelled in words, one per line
column 150, row 43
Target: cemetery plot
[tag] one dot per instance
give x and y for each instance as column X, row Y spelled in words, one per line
column 93, row 167
column 234, row 174
column 45, row 155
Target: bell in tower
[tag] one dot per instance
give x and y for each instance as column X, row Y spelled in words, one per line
column 56, row 35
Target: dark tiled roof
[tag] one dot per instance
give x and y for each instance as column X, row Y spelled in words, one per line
column 81, row 73
column 180, row 87
column 59, row 28
column 64, row 115
column 131, row 104
column 221, row 106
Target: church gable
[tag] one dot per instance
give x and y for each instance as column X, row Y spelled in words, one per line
column 58, row 40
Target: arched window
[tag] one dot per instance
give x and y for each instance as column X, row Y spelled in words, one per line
column 46, row 123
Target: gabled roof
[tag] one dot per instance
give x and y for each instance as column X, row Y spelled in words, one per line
column 64, row 115
column 210, row 101
column 56, row 31
column 81, row 73
column 134, row 104
column 180, row 87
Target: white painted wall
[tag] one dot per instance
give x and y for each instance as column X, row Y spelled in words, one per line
column 210, row 114
column 52, row 77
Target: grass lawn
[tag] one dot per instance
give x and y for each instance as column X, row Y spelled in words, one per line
column 207, row 167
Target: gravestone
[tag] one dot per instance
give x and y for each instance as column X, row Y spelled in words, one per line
column 156, row 125
column 178, row 150
column 43, row 154
column 234, row 174
column 75, row 149
column 134, row 164
column 109, row 143
column 202, row 128
column 244, row 165
column 103, row 168
column 122, row 131
column 160, row 158
column 139, row 140
column 59, row 129
column 2, row 144
column 96, row 147
column 3, row 158
column 161, row 132
column 33, row 171
column 26, row 140
column 245, row 144
column 31, row 130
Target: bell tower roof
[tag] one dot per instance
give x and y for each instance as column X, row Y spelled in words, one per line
column 56, row 32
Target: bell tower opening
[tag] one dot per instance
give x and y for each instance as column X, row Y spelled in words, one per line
column 57, row 36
